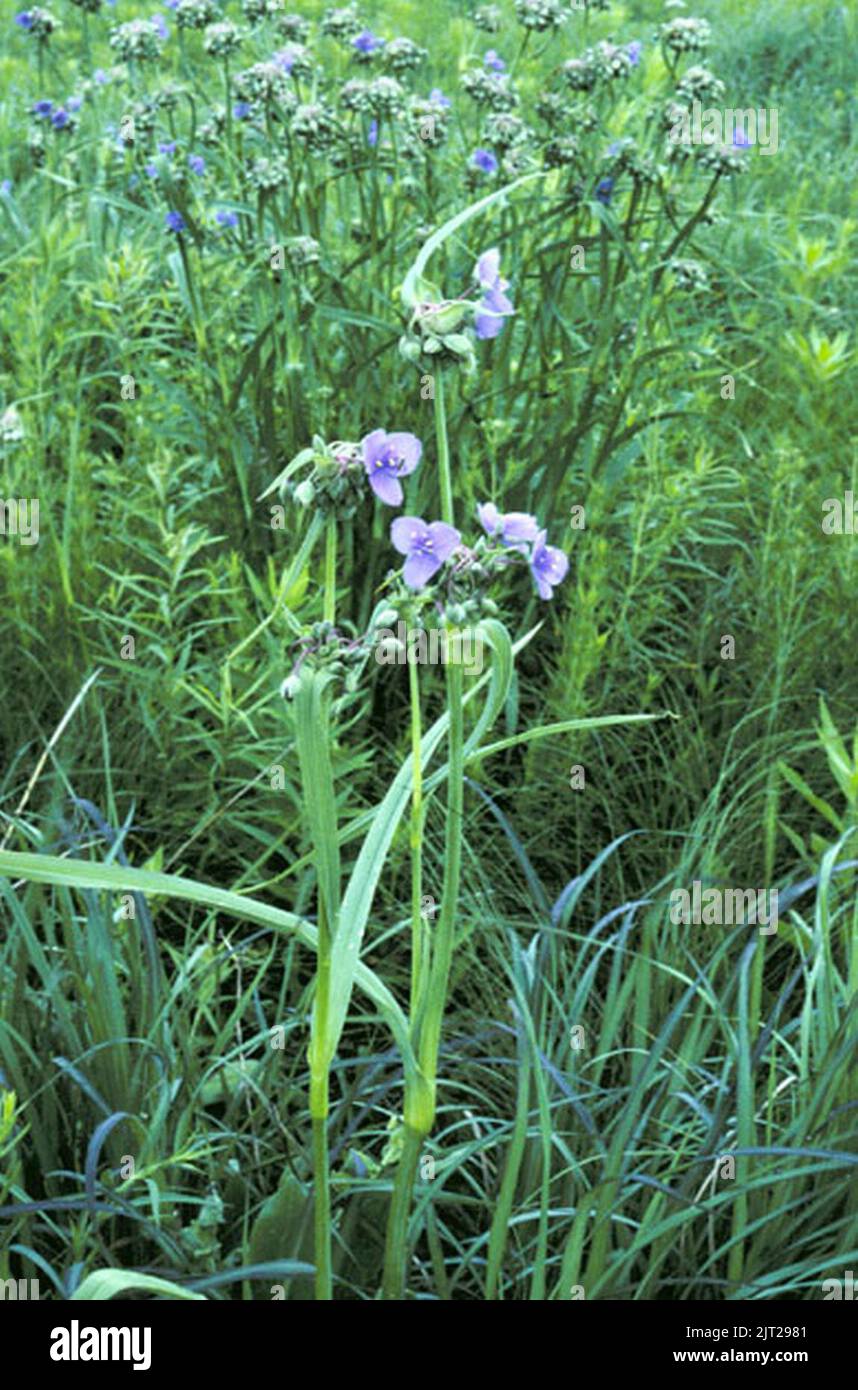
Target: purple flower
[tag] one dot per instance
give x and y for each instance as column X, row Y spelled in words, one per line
column 74, row 103
column 285, row 59
column 387, row 458
column 548, row 565
column 226, row 218
column 485, row 160
column 437, row 98
column 42, row 108
column 514, row 530
column 634, row 50
column 196, row 164
column 605, row 191
column 167, row 147
column 241, row 110
column 24, row 19
column 372, row 133
column 494, row 61
column 100, row 77
column 425, row 547
column 174, row 222
column 6, row 186
column 494, row 306
column 151, row 170
column 171, row 4
column 60, row 118
column 367, row 42
column 160, row 26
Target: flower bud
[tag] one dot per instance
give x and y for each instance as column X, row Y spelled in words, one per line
column 304, row 493
column 290, row 687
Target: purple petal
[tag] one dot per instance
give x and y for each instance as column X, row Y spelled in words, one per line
column 408, row 449
column 372, row 446
column 386, row 487
column 444, row 539
column 419, row 569
column 406, row 532
column 519, row 526
column 488, row 325
column 496, row 302
column 487, row 270
column 489, row 518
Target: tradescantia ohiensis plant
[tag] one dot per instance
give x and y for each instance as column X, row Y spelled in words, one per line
column 451, row 578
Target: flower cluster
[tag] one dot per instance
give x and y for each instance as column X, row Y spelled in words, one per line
column 265, row 82
column 136, row 41
column 196, row 14
column 223, row 39
column 540, row 14
column 685, row 35
column 40, row 23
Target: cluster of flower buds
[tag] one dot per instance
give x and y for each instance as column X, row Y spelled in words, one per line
column 436, row 334
column 324, row 647
column 540, row 14
column 136, row 41
column 223, row 39
column 330, row 477
column 685, row 35
column 265, row 82
column 492, row 89
column 196, row 14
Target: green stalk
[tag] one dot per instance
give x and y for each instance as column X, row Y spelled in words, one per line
column 442, row 954
column 319, row 1117
column 396, row 1242
column 443, row 451
column 416, row 845
column 330, row 570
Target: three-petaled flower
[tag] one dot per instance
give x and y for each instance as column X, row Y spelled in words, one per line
column 548, row 565
column 514, row 530
column 425, row 546
column 387, row 458
column 494, row 307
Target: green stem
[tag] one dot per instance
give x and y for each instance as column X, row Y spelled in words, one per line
column 442, row 952
column 330, row 570
column 396, row 1243
column 443, row 451
column 319, row 1114
column 417, row 927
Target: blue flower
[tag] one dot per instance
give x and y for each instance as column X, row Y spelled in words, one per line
column 60, row 118
column 425, row 547
column 6, row 187
column 196, row 164
column 437, row 98
column 548, row 565
column 494, row 307
column 224, row 217
column 515, row 530
column 174, row 222
column 167, row 147
column 151, row 170
column 634, row 50
column 100, row 77
column 493, row 60
column 372, row 133
column 367, row 42
column 74, row 103
column 485, row 160
column 241, row 110
column 386, row 459
column 24, row 19
column 605, row 190
column 42, row 108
